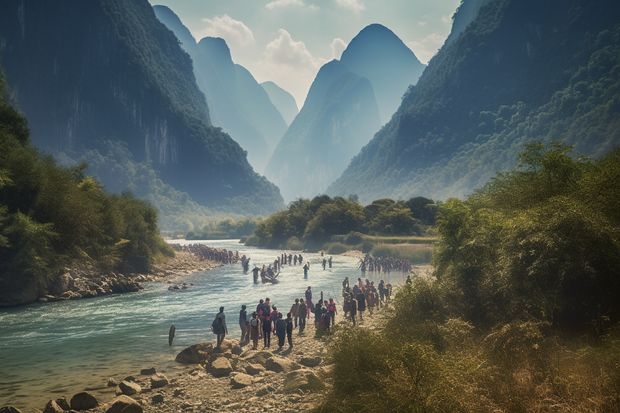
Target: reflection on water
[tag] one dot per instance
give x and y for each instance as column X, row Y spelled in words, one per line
column 48, row 350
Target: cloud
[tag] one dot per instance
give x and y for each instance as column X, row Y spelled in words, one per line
column 337, row 45
column 284, row 50
column 290, row 64
column 426, row 47
column 276, row 4
column 353, row 5
column 235, row 32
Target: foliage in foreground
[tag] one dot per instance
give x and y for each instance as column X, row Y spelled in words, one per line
column 522, row 313
column 51, row 217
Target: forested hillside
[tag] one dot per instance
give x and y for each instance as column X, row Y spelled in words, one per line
column 88, row 73
column 53, row 217
column 522, row 70
column 521, row 313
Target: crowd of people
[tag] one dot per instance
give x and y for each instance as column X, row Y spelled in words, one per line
column 384, row 264
column 204, row 252
column 267, row 319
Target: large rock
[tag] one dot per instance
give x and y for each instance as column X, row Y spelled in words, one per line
column 159, row 380
column 9, row 409
column 254, row 369
column 83, row 401
column 259, row 357
column 220, row 367
column 149, row 371
column 310, row 361
column 304, row 380
column 280, row 364
column 129, row 388
column 240, row 380
column 195, row 354
column 53, row 406
column 124, row 404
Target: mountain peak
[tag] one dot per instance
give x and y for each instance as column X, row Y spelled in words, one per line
column 378, row 40
column 217, row 47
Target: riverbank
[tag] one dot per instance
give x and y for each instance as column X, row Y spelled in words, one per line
column 239, row 379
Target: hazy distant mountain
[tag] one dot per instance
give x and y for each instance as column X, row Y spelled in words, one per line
column 377, row 54
column 89, row 73
column 342, row 112
column 237, row 103
column 282, row 100
column 521, row 70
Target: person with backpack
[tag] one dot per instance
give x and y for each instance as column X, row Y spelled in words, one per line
column 219, row 327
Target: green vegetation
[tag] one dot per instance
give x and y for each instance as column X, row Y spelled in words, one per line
column 338, row 224
column 522, row 313
column 53, row 217
column 225, row 229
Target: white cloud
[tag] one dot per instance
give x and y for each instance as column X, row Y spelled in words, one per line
column 337, row 45
column 426, row 47
column 290, row 64
column 445, row 19
column 285, row 50
column 353, row 5
column 283, row 3
column 235, row 32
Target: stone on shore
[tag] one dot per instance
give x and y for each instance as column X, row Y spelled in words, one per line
column 9, row 409
column 254, row 369
column 159, row 380
column 124, row 404
column 240, row 380
column 148, row 372
column 311, row 361
column 259, row 357
column 195, row 354
column 56, row 406
column 83, row 401
column 129, row 388
column 305, row 380
column 280, row 364
column 220, row 367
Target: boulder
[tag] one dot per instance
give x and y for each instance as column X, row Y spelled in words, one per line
column 112, row 382
column 280, row 364
column 148, row 372
column 124, row 404
column 305, row 380
column 9, row 409
column 310, row 361
column 254, row 369
column 159, row 380
column 220, row 367
column 57, row 406
column 195, row 354
column 240, row 380
column 157, row 398
column 83, row 401
column 259, row 357
column 129, row 388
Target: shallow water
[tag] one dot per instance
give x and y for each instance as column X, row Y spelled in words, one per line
column 58, row 349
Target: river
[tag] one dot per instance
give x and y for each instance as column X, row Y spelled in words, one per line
column 58, row 349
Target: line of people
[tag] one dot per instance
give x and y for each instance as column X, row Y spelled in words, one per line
column 384, row 264
column 204, row 252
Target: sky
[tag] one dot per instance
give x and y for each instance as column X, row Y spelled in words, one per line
column 287, row 41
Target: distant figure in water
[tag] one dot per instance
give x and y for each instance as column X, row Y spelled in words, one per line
column 255, row 272
column 219, row 327
column 171, row 334
column 329, row 261
column 306, row 268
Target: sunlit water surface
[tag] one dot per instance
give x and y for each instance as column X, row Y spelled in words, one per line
column 58, row 349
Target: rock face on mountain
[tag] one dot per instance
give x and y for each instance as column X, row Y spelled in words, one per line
column 282, row 100
column 237, row 103
column 85, row 73
column 347, row 103
column 521, row 70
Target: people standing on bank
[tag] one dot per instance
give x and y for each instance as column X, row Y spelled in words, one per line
column 289, row 330
column 219, row 327
column 302, row 315
column 255, row 330
column 280, row 330
column 308, row 301
column 295, row 312
column 243, row 325
column 266, row 331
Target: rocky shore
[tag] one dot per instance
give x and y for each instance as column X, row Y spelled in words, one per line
column 231, row 379
column 87, row 281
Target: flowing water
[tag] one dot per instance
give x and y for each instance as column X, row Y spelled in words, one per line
column 58, row 349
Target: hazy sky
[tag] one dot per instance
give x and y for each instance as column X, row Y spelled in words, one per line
column 287, row 41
